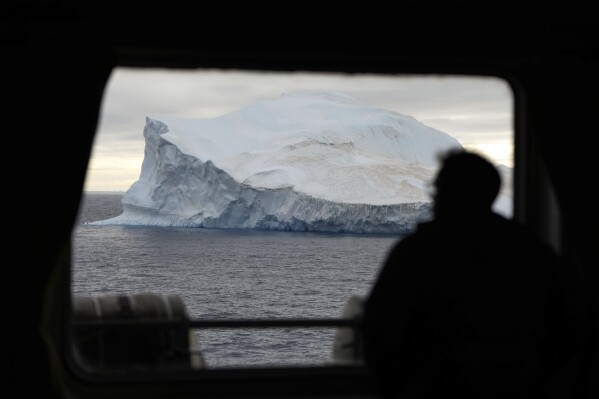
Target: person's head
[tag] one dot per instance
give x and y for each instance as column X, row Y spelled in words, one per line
column 466, row 185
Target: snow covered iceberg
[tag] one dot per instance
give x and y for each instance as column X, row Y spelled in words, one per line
column 306, row 161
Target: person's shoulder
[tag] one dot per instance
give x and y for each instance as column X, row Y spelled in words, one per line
column 423, row 235
column 510, row 227
column 422, row 230
column 427, row 229
column 523, row 235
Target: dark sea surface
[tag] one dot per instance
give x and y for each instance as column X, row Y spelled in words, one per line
column 231, row 274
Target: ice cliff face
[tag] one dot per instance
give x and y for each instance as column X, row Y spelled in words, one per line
column 301, row 162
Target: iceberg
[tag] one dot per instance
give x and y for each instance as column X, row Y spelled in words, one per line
column 305, row 161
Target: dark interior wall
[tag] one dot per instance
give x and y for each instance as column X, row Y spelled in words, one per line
column 57, row 56
column 52, row 117
column 564, row 102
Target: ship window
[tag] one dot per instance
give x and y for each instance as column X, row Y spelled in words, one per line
column 229, row 217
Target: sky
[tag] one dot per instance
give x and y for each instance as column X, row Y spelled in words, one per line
column 477, row 111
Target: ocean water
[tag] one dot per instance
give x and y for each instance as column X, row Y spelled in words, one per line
column 231, row 274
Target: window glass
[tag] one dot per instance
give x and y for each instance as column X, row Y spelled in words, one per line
column 238, row 195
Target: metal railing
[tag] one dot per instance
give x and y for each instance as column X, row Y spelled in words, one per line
column 96, row 328
column 222, row 323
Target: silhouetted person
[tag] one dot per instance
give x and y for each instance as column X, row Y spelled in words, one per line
column 470, row 304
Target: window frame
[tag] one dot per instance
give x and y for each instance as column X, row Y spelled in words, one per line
column 332, row 380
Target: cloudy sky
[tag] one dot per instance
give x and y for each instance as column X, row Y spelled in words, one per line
column 476, row 111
